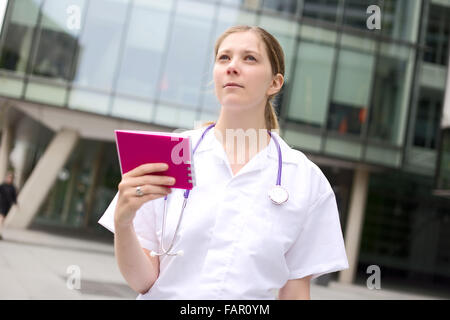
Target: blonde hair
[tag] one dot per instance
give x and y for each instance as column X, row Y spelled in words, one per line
column 276, row 58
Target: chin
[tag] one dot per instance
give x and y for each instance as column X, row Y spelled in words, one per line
column 235, row 106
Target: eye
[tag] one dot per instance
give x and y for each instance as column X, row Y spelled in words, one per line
column 222, row 57
column 252, row 57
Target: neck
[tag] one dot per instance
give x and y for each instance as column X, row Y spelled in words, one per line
column 242, row 134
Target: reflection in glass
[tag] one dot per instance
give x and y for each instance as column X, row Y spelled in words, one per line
column 57, row 43
column 285, row 32
column 285, row 6
column 400, row 19
column 99, row 43
column 391, row 92
column 355, row 14
column 188, row 54
column 19, row 35
column 428, row 116
column 321, row 9
column 144, row 50
column 346, row 119
column 443, row 174
column 351, row 92
column 309, row 99
column 438, row 35
column 245, row 4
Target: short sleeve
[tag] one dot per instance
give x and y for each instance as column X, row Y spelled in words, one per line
column 144, row 223
column 319, row 247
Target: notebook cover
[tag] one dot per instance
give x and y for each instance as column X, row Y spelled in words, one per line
column 135, row 148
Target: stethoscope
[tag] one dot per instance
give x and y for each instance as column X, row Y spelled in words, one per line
column 277, row 194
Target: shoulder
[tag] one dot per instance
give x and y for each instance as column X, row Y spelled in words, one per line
column 304, row 171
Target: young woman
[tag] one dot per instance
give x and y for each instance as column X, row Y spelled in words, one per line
column 241, row 237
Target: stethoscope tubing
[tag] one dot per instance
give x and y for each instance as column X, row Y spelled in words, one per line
column 162, row 250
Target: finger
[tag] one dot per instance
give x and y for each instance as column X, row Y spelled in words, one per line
column 150, row 179
column 148, row 197
column 147, row 189
column 146, row 169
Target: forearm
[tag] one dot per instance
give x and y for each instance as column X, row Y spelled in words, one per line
column 296, row 289
column 137, row 269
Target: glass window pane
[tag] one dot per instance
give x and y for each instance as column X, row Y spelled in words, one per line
column 88, row 101
column 355, row 13
column 351, row 92
column 188, row 54
column 346, row 119
column 57, row 39
column 342, row 148
column 132, row 109
column 428, row 116
column 49, row 94
column 18, row 35
column 353, row 78
column 384, row 156
column 285, row 32
column 245, row 4
column 443, row 176
column 318, row 34
column 321, row 9
column 3, row 5
column 303, row 140
column 400, row 19
column 437, row 35
column 144, row 51
column 358, row 42
column 309, row 96
column 284, row 6
column 11, row 87
column 392, row 85
column 99, row 43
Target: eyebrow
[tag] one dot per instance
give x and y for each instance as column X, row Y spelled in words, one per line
column 245, row 51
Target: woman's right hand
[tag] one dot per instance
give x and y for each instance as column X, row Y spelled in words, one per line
column 152, row 187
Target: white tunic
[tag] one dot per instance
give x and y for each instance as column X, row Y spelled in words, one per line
column 238, row 244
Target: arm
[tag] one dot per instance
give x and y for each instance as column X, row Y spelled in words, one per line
column 296, row 289
column 139, row 269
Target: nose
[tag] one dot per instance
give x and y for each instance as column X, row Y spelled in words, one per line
column 231, row 68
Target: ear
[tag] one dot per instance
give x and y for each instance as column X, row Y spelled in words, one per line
column 276, row 84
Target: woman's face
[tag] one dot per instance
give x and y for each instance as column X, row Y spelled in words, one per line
column 242, row 72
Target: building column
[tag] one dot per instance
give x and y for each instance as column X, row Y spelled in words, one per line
column 42, row 179
column 5, row 147
column 355, row 222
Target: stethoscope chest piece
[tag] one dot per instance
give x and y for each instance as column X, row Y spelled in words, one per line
column 278, row 194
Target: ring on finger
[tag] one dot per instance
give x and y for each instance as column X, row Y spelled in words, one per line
column 139, row 192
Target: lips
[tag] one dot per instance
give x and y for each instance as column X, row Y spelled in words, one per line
column 232, row 84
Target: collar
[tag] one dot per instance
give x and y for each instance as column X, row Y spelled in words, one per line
column 210, row 142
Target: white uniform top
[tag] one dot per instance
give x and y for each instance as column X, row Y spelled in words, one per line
column 238, row 244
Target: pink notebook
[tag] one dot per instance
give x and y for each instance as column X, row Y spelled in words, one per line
column 138, row 147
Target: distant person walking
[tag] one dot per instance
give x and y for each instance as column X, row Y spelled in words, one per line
column 8, row 197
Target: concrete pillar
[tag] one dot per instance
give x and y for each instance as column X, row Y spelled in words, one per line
column 355, row 222
column 5, row 147
column 42, row 179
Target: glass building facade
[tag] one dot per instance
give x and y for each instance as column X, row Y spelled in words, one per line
column 352, row 95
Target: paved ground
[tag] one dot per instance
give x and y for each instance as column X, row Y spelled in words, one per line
column 41, row 265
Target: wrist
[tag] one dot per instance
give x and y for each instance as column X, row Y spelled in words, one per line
column 123, row 225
